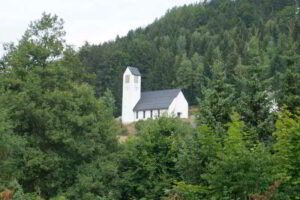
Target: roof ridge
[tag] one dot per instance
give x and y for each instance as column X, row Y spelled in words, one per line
column 163, row 90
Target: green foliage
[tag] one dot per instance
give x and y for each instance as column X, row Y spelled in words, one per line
column 239, row 172
column 148, row 162
column 186, row 191
column 195, row 43
column 217, row 105
column 287, row 152
column 41, row 44
column 233, row 58
column 11, row 149
column 96, row 180
column 190, row 75
column 196, row 152
column 68, row 132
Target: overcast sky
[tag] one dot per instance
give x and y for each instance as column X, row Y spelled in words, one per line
column 94, row 21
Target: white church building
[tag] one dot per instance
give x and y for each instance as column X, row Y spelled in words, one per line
column 137, row 105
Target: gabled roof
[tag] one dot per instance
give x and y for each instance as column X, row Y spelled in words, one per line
column 135, row 71
column 160, row 99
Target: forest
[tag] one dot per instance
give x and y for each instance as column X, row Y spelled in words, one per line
column 238, row 63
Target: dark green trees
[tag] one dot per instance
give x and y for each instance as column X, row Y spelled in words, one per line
column 68, row 133
column 183, row 48
column 238, row 171
column 232, row 58
column 147, row 164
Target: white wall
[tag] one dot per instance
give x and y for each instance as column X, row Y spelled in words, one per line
column 131, row 95
column 164, row 113
column 179, row 104
column 155, row 113
column 140, row 115
column 148, row 114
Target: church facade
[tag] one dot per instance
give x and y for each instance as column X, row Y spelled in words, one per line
column 137, row 105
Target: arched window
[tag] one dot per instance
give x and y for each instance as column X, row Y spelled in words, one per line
column 136, row 79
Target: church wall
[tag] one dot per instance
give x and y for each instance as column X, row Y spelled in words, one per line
column 140, row 115
column 148, row 114
column 131, row 95
column 164, row 112
column 155, row 113
column 179, row 105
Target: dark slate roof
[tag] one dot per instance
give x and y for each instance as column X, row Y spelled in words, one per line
column 135, row 71
column 153, row 100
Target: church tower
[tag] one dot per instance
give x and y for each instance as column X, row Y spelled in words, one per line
column 131, row 93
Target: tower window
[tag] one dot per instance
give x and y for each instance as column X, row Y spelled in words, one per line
column 127, row 79
column 136, row 79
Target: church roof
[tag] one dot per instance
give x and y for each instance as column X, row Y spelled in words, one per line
column 135, row 71
column 160, row 99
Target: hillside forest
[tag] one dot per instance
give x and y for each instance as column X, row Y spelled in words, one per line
column 238, row 64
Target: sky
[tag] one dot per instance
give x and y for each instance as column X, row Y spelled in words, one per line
column 94, row 21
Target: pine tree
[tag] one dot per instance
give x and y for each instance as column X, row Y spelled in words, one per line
column 255, row 101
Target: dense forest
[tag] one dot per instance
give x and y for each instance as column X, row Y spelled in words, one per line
column 238, row 63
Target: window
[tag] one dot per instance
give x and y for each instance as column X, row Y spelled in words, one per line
column 144, row 114
column 158, row 113
column 151, row 112
column 127, row 78
column 137, row 114
column 136, row 79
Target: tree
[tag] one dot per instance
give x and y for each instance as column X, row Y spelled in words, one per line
column 255, row 99
column 217, row 105
column 286, row 73
column 190, row 76
column 287, row 153
column 67, row 130
column 41, row 44
column 11, row 150
column 147, row 164
column 196, row 152
column 239, row 172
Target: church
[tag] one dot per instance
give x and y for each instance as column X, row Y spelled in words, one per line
column 137, row 105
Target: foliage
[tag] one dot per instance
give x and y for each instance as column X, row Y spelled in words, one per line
column 11, row 149
column 196, row 152
column 67, row 131
column 148, row 161
column 287, row 148
column 237, row 60
column 239, row 172
column 217, row 105
column 193, row 44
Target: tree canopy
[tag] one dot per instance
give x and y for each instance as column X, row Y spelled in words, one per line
column 237, row 63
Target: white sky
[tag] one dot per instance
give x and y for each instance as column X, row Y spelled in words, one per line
column 94, row 21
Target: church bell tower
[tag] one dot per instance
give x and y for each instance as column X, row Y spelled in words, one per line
column 131, row 93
